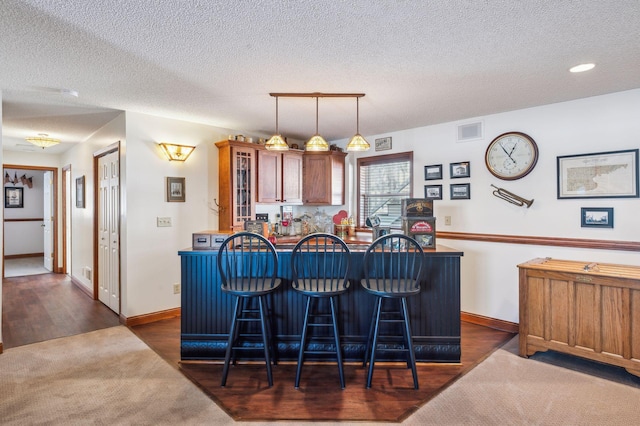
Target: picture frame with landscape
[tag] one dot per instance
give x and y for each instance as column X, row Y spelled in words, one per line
column 433, row 192
column 433, row 172
column 596, row 217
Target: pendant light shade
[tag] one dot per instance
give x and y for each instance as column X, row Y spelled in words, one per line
column 317, row 142
column 357, row 142
column 276, row 142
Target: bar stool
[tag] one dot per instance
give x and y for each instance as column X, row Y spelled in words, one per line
column 320, row 266
column 248, row 264
column 392, row 267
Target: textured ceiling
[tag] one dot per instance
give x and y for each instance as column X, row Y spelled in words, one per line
column 214, row 62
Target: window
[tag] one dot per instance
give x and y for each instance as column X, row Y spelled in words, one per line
column 383, row 181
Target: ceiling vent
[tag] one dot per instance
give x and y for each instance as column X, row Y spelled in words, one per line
column 470, row 131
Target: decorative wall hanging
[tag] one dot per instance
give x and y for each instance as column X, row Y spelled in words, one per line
column 596, row 217
column 80, row 192
column 600, row 175
column 460, row 170
column 460, row 191
column 433, row 172
column 433, row 192
column 13, row 197
column 176, row 189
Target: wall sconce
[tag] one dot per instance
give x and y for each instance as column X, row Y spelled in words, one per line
column 175, row 152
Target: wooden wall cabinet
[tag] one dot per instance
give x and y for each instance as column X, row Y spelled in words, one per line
column 279, row 176
column 591, row 310
column 236, row 184
column 323, row 178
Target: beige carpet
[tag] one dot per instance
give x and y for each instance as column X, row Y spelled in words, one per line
column 111, row 377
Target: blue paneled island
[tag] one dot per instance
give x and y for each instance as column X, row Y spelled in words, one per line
column 435, row 313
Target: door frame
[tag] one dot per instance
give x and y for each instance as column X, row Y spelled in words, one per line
column 66, row 195
column 54, row 170
column 114, row 147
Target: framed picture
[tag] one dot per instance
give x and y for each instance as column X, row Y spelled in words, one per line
column 460, row 191
column 176, row 189
column 433, row 172
column 383, row 144
column 460, row 170
column 80, row 192
column 596, row 217
column 13, row 197
column 600, row 175
column 433, row 192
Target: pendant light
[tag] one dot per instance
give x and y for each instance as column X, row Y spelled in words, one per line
column 357, row 142
column 276, row 142
column 317, row 142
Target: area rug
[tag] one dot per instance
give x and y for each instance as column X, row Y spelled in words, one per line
column 105, row 377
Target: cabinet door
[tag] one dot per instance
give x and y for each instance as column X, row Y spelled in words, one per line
column 316, row 180
column 243, row 174
column 292, row 177
column 270, row 177
column 323, row 178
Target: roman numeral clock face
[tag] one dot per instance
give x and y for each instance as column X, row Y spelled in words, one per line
column 511, row 156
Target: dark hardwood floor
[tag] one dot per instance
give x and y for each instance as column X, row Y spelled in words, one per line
column 42, row 307
column 48, row 306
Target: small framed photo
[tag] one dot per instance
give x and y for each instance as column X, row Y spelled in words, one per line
column 433, row 172
column 460, row 170
column 176, row 189
column 433, row 192
column 13, row 197
column 596, row 217
column 460, row 191
column 383, row 144
column 80, row 192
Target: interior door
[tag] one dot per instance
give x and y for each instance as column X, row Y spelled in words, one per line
column 48, row 220
column 109, row 231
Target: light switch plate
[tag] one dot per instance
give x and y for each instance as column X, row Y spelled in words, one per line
column 163, row 222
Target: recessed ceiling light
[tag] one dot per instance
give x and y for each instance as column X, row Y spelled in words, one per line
column 582, row 67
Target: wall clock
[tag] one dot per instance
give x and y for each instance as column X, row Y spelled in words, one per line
column 511, row 156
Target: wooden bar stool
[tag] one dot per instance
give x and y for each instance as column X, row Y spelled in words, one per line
column 392, row 267
column 320, row 266
column 248, row 264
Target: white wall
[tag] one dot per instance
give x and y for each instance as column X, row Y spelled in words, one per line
column 489, row 272
column 25, row 237
column 80, row 157
column 152, row 265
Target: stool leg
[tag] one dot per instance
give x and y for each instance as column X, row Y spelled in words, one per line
column 407, row 333
column 230, row 341
column 369, row 338
column 265, row 339
column 303, row 342
column 374, row 342
column 336, row 334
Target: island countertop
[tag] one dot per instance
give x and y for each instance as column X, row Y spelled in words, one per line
column 435, row 312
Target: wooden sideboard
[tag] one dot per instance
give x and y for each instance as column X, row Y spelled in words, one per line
column 591, row 310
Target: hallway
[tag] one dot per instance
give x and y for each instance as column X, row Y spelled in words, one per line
column 48, row 306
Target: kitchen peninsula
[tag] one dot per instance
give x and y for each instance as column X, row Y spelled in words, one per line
column 435, row 314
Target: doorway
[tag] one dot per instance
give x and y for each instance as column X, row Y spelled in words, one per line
column 30, row 220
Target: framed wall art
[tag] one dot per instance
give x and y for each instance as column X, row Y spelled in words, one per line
column 460, row 170
column 13, row 197
column 460, row 191
column 176, row 189
column 80, row 192
column 596, row 217
column 600, row 175
column 433, row 192
column 433, row 172
column 383, row 144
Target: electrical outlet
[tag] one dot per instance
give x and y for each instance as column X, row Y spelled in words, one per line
column 176, row 289
column 163, row 222
column 447, row 220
